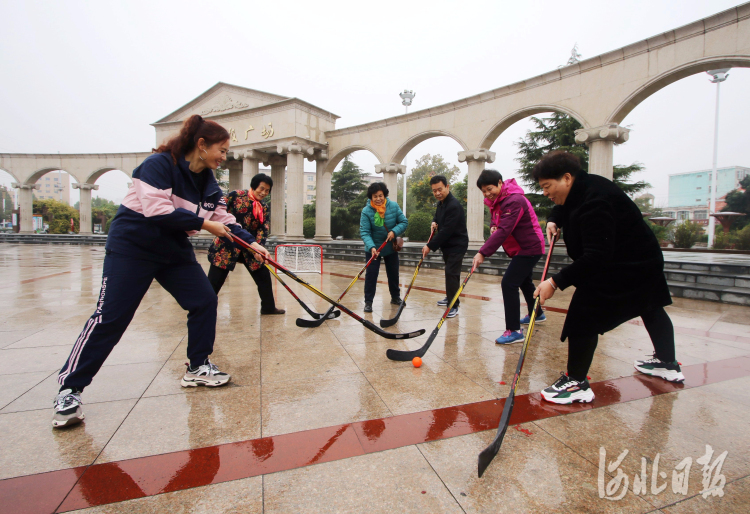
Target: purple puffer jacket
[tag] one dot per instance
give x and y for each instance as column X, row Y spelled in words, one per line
column 518, row 229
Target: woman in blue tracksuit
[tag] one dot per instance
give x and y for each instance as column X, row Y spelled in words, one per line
column 174, row 195
column 381, row 220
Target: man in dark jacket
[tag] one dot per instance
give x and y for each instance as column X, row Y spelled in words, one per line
column 452, row 238
column 617, row 269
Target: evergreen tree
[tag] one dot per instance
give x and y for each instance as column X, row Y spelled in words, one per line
column 347, row 183
column 557, row 132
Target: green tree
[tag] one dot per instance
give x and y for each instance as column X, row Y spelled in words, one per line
column 418, row 183
column 308, row 228
column 61, row 213
column 347, row 183
column 739, row 201
column 557, row 132
column 222, row 178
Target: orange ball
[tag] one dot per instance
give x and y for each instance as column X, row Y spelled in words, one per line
column 417, row 362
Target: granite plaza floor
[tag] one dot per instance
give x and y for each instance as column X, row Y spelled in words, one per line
column 319, row 420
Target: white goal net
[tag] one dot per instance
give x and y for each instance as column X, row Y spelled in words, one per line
column 300, row 258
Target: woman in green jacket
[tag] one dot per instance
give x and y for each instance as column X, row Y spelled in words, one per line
column 381, row 220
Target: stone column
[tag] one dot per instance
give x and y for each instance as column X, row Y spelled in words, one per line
column 322, row 198
column 601, row 141
column 474, row 201
column 278, row 212
column 250, row 168
column 390, row 176
column 295, row 190
column 84, row 211
column 26, row 206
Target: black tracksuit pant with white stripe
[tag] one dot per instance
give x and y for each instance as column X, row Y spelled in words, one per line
column 125, row 281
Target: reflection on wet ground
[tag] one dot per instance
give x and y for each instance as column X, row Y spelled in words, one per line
column 331, row 424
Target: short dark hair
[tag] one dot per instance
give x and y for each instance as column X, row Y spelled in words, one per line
column 439, row 178
column 556, row 164
column 489, row 178
column 261, row 177
column 375, row 187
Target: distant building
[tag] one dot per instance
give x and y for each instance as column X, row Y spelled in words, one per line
column 690, row 193
column 54, row 185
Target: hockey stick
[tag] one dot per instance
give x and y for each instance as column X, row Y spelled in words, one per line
column 307, row 323
column 485, row 458
column 368, row 324
column 400, row 355
column 331, row 314
column 390, row 322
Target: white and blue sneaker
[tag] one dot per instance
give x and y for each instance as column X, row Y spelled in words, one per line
column 443, row 303
column 452, row 313
column 539, row 319
column 67, row 408
column 509, row 336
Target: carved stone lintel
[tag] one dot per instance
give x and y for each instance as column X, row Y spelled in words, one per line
column 390, row 168
column 16, row 185
column 610, row 132
column 479, row 154
column 76, row 185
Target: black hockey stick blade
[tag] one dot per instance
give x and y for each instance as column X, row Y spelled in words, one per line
column 390, row 322
column 330, row 314
column 402, row 355
column 485, row 458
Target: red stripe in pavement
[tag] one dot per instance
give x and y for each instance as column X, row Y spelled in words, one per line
column 54, row 275
column 112, row 482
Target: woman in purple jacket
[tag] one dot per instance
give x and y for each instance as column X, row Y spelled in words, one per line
column 515, row 227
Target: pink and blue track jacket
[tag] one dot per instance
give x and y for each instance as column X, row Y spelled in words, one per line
column 518, row 229
column 163, row 208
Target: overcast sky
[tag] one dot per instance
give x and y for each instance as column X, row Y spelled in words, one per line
column 91, row 76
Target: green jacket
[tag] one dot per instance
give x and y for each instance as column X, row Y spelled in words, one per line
column 372, row 235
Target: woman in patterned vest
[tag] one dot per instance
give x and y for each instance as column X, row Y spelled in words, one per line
column 252, row 214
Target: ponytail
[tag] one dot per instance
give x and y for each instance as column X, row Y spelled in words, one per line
column 193, row 129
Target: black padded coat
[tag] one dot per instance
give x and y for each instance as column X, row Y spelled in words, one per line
column 618, row 265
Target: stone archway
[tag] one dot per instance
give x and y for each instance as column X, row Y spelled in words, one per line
column 489, row 139
column 673, row 75
column 414, row 140
column 324, row 173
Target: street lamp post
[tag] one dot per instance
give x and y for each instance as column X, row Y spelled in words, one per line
column 718, row 76
column 406, row 97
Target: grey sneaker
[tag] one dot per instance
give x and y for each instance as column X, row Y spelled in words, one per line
column 206, row 374
column 443, row 303
column 68, row 410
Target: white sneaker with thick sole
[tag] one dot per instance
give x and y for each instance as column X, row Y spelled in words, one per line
column 568, row 390
column 68, row 409
column 658, row 368
column 206, row 374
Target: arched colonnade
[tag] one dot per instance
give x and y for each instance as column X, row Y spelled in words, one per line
column 599, row 92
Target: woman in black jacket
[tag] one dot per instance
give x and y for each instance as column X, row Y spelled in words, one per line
column 617, row 269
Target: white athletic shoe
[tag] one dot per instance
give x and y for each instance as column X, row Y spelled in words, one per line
column 657, row 368
column 206, row 374
column 67, row 409
column 568, row 390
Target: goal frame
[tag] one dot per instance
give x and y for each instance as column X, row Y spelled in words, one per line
column 276, row 256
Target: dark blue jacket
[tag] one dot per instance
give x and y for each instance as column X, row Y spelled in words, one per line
column 163, row 208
